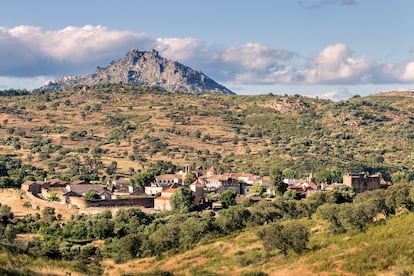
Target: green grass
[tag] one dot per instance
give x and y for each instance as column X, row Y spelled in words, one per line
column 383, row 247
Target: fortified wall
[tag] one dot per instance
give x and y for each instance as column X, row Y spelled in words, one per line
column 80, row 202
column 361, row 182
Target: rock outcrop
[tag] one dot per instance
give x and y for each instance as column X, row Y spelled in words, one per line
column 145, row 68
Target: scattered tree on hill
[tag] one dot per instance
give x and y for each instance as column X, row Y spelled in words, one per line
column 293, row 236
column 53, row 196
column 5, row 214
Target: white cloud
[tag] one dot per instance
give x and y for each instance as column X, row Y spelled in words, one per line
column 408, row 74
column 29, row 51
column 179, row 48
column 342, row 93
column 336, row 64
column 254, row 56
column 23, row 82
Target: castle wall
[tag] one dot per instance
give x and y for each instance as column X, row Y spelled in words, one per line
column 361, row 183
column 80, row 202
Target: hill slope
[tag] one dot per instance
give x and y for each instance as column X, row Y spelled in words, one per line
column 384, row 249
column 146, row 69
column 86, row 129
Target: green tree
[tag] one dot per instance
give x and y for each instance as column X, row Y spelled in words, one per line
column 293, row 236
column 258, row 189
column 288, row 173
column 182, row 201
column 276, row 180
column 291, row 194
column 232, row 219
column 190, row 178
column 111, row 169
column 228, row 198
column 355, row 216
column 53, row 196
column 103, row 228
column 91, row 196
column 398, row 196
column 48, row 214
column 5, row 214
column 330, row 212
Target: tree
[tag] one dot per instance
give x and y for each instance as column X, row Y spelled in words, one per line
column 103, row 228
column 190, row 178
column 258, row 189
column 228, row 198
column 276, row 180
column 233, row 219
column 398, row 196
column 128, row 247
column 330, row 212
column 53, row 196
column 291, row 194
column 343, row 193
column 27, row 204
column 355, row 216
column 111, row 169
column 288, row 173
column 5, row 214
column 48, row 214
column 91, row 196
column 182, row 201
column 292, row 236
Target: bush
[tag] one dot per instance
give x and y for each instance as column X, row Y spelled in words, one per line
column 293, row 236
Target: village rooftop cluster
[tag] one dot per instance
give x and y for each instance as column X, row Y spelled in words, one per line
column 79, row 194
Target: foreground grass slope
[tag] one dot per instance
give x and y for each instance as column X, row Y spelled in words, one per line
column 384, row 249
column 85, row 130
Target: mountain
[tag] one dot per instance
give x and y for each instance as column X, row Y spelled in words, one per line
column 145, row 68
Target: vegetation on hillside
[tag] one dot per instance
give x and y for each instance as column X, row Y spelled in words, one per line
column 108, row 131
column 119, row 130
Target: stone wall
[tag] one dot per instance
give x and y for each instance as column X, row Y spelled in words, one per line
column 361, row 183
column 80, row 202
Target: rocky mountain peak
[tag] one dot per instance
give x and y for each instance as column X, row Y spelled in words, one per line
column 146, row 68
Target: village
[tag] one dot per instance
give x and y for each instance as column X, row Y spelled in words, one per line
column 156, row 197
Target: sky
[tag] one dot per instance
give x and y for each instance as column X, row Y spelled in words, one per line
column 332, row 49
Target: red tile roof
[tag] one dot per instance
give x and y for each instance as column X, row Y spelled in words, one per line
column 169, row 191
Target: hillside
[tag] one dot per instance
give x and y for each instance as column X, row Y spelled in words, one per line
column 145, row 69
column 84, row 130
column 384, row 249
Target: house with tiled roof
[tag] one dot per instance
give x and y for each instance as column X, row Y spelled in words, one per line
column 213, row 183
column 169, row 180
column 162, row 203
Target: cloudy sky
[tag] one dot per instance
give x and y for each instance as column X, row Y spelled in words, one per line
column 327, row 48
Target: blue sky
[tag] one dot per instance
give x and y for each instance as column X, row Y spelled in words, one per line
column 327, row 48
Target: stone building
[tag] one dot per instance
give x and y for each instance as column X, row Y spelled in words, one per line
column 361, row 182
